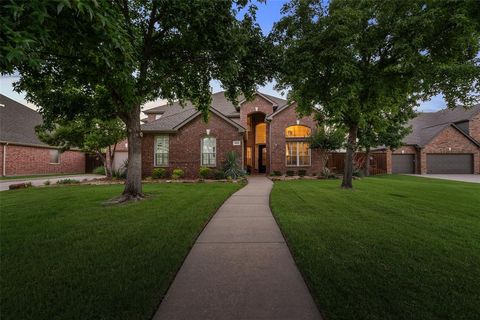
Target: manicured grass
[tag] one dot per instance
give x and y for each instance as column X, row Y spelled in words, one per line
column 397, row 247
column 66, row 256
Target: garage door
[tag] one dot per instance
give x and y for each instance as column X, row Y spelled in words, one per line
column 403, row 163
column 450, row 163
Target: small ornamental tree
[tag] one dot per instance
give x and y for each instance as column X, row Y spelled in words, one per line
column 384, row 130
column 89, row 135
column 327, row 139
column 110, row 60
column 360, row 58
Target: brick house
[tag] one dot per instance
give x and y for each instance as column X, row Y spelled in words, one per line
column 446, row 141
column 265, row 132
column 21, row 151
column 268, row 136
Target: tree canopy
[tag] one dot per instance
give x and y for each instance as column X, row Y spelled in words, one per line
column 363, row 58
column 108, row 61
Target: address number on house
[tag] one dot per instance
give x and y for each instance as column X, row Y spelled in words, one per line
column 237, row 142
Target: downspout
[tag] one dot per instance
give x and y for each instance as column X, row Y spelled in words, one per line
column 4, row 163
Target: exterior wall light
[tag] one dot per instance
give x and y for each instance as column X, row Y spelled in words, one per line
column 256, row 108
column 403, row 151
column 298, row 121
column 449, row 149
column 208, row 132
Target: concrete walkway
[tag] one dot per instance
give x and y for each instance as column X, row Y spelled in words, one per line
column 474, row 178
column 53, row 179
column 240, row 267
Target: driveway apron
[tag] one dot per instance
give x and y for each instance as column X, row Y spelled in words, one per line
column 240, row 267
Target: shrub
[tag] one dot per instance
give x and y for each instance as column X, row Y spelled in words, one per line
column 177, row 174
column 314, row 174
column 231, row 167
column 302, row 173
column 290, row 173
column 277, row 173
column 159, row 173
column 325, row 172
column 218, row 174
column 47, row 183
column 68, row 181
column 120, row 173
column 205, row 173
column 357, row 172
column 99, row 170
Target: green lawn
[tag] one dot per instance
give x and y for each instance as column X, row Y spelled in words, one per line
column 66, row 256
column 397, row 247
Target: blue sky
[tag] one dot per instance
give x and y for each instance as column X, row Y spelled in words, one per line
column 267, row 14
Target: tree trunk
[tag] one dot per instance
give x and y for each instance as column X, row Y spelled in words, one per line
column 366, row 167
column 133, row 185
column 108, row 173
column 348, row 166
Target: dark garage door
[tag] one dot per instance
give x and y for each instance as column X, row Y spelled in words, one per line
column 450, row 163
column 403, row 163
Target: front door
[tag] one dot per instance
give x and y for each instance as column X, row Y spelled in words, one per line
column 262, row 158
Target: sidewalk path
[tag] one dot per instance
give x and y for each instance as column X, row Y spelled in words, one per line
column 240, row 267
column 53, row 179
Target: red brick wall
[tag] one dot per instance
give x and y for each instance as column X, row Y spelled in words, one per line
column 184, row 146
column 450, row 141
column 279, row 123
column 248, row 108
column 474, row 127
column 24, row 160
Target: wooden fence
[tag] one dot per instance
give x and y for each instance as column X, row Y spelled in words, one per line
column 377, row 165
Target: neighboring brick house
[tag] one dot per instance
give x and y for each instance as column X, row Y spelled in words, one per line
column 447, row 141
column 265, row 132
column 22, row 153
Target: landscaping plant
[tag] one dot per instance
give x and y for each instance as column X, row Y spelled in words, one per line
column 231, row 166
column 177, row 174
column 159, row 173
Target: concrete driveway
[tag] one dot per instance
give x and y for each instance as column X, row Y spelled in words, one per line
column 53, row 179
column 474, row 178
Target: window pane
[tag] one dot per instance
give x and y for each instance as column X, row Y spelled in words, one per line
column 297, row 132
column 209, row 152
column 161, row 150
column 54, row 156
column 261, row 133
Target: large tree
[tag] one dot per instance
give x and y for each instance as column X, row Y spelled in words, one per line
column 361, row 58
column 168, row 49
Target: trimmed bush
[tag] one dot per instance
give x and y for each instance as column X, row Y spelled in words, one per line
column 68, row 181
column 99, row 170
column 290, row 173
column 218, row 174
column 159, row 173
column 177, row 174
column 277, row 173
column 302, row 173
column 47, row 183
column 205, row 173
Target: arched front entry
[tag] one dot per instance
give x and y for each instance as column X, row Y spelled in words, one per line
column 256, row 155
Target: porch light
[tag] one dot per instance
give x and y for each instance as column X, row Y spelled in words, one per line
column 208, row 132
column 298, row 121
column 256, row 108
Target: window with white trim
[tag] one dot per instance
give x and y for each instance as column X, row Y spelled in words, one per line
column 209, row 152
column 54, row 156
column 161, row 150
column 297, row 153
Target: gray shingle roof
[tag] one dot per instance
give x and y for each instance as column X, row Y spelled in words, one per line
column 427, row 125
column 174, row 114
column 18, row 122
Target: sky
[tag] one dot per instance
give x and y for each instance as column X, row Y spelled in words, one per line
column 267, row 14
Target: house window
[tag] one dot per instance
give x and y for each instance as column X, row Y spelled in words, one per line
column 261, row 133
column 54, row 156
column 297, row 154
column 297, row 132
column 209, row 152
column 249, row 156
column 161, row 151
